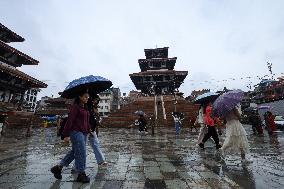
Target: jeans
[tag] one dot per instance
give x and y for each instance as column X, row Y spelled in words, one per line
column 78, row 152
column 94, row 141
column 177, row 126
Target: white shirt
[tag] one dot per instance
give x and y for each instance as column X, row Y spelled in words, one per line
column 200, row 119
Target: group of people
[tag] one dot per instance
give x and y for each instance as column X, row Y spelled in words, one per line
column 83, row 120
column 269, row 122
column 236, row 140
column 82, row 123
column 257, row 125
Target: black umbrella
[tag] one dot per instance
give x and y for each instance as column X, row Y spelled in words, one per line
column 250, row 109
column 139, row 112
column 206, row 97
column 92, row 84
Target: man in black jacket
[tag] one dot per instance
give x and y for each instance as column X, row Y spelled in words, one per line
column 142, row 123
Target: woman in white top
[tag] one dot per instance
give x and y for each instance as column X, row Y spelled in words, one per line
column 200, row 121
column 177, row 122
column 236, row 140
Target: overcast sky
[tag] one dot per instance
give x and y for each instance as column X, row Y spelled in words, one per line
column 214, row 40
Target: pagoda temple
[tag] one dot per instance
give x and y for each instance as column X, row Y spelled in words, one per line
column 14, row 83
column 157, row 74
column 159, row 96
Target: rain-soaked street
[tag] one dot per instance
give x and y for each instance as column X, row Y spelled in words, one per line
column 139, row 161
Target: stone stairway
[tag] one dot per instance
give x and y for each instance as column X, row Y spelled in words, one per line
column 125, row 116
column 189, row 109
column 161, row 121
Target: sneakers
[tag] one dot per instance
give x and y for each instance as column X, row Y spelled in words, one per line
column 56, row 170
column 103, row 163
column 218, row 146
column 201, row 145
column 82, row 177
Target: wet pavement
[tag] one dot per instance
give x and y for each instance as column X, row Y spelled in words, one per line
column 141, row 161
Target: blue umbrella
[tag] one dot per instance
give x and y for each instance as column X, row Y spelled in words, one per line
column 92, row 84
column 206, row 97
column 226, row 102
column 264, row 107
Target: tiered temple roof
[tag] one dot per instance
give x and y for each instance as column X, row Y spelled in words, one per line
column 13, row 82
column 157, row 63
column 157, row 73
column 8, row 71
column 14, row 57
column 156, row 53
column 7, row 35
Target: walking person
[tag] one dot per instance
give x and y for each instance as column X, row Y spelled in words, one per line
column 200, row 121
column 255, row 121
column 270, row 123
column 77, row 128
column 212, row 132
column 177, row 122
column 193, row 124
column 94, row 124
column 61, row 126
column 142, row 123
column 236, row 137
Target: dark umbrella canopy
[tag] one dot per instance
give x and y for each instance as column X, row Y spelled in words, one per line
column 92, row 84
column 139, row 112
column 226, row 102
column 206, row 97
column 250, row 109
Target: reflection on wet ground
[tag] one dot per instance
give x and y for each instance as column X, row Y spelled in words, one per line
column 141, row 161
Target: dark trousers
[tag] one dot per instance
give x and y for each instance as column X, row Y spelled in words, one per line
column 211, row 133
column 254, row 129
column 142, row 128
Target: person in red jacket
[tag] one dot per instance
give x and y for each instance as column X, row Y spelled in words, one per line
column 209, row 122
column 271, row 127
column 76, row 128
